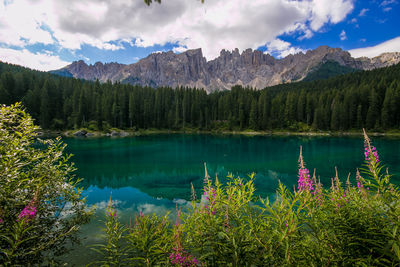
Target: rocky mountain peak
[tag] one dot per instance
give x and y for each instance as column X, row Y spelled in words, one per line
column 249, row 68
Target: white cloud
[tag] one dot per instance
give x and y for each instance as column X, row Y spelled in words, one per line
column 23, row 23
column 343, row 35
column 39, row 61
column 326, row 11
column 387, row 5
column 108, row 46
column 179, row 49
column 363, row 12
column 388, row 2
column 282, row 48
column 212, row 26
column 392, row 45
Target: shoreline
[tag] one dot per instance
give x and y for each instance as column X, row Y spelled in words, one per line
column 84, row 133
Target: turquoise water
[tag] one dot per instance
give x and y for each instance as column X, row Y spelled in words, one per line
column 153, row 173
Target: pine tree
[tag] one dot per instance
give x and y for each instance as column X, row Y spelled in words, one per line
column 373, row 110
column 45, row 115
column 253, row 120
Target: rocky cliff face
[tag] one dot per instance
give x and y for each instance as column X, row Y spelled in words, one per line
column 250, row 68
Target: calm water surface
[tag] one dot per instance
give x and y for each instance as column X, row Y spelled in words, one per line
column 153, row 173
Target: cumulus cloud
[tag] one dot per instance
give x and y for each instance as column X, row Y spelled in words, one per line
column 325, row 11
column 392, row 45
column 23, row 23
column 38, row 61
column 281, row 48
column 212, row 26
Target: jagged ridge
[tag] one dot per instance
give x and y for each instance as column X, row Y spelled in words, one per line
column 250, row 68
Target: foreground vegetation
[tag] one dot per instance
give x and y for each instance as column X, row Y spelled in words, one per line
column 369, row 99
column 349, row 224
column 354, row 222
column 41, row 208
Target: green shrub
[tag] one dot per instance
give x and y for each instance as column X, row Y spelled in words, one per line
column 40, row 206
column 345, row 224
column 93, row 126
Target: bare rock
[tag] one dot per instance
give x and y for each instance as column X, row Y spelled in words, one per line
column 249, row 68
column 80, row 133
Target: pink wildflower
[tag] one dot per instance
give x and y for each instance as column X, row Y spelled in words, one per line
column 210, row 193
column 368, row 152
column 305, row 182
column 318, row 190
column 112, row 213
column 213, row 212
column 183, row 259
column 28, row 213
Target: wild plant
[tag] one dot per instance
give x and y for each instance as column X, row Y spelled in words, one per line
column 343, row 225
column 113, row 251
column 41, row 206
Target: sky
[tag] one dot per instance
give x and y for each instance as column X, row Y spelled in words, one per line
column 50, row 34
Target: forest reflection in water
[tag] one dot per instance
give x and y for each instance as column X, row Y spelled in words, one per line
column 153, row 174
column 165, row 165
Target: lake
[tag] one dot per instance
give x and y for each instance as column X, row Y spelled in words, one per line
column 153, row 173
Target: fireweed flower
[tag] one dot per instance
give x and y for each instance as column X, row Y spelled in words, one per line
column 182, row 258
column 210, row 193
column 318, row 195
column 370, row 152
column 110, row 211
column 304, row 183
column 28, row 213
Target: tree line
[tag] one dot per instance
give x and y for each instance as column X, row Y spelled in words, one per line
column 369, row 99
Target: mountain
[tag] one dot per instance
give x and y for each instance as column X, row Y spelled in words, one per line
column 250, row 68
column 327, row 70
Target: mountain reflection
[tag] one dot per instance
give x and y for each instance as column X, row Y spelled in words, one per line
column 165, row 165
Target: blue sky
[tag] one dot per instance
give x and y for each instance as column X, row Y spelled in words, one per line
column 48, row 34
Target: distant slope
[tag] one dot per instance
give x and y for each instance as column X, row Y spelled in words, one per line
column 62, row 73
column 327, row 70
column 249, row 68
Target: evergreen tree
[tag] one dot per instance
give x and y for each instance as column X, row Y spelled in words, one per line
column 253, row 120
